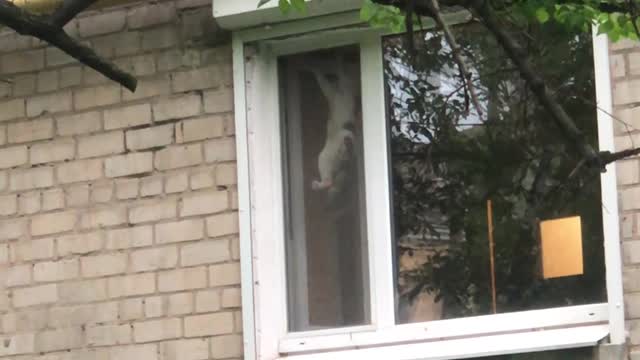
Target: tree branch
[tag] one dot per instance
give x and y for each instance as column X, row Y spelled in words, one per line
column 68, row 10
column 40, row 27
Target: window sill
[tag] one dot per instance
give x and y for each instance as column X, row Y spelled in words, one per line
column 531, row 341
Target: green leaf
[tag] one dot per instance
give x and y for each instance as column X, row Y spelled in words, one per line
column 284, row 6
column 299, row 5
column 542, row 15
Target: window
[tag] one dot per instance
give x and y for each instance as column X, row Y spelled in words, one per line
column 366, row 181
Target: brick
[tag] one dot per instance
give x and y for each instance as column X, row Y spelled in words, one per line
column 142, row 352
column 227, row 346
column 204, row 202
column 130, row 237
column 182, row 279
column 185, row 230
column 96, row 96
column 632, row 305
column 4, row 180
column 127, row 188
column 37, row 295
column 151, row 186
column 140, row 65
column 55, row 57
column 12, row 109
column 77, row 195
column 180, row 304
column 176, row 107
column 34, row 178
column 156, row 330
column 53, row 151
column 192, row 349
column 78, row 244
column 150, row 15
column 226, row 174
column 8, row 205
column 13, row 156
column 109, row 335
column 27, row 320
column 27, row 131
column 29, row 203
column 102, row 192
column 17, row 344
column 53, row 223
column 200, row 325
column 176, row 58
column 177, row 182
column 131, row 309
column 102, row 144
column 18, row 275
column 24, row 85
column 131, row 285
column 208, row 301
column 153, row 211
column 103, row 265
column 200, row 129
column 124, row 117
column 77, row 124
column 82, row 170
column 631, row 252
column 59, row 339
column 52, row 199
column 23, row 61
column 151, row 137
column 218, row 101
column 130, row 164
column 92, row 77
column 83, row 314
column 70, row 76
column 154, row 259
column 220, row 150
column 224, row 274
column 47, row 81
column 160, row 38
column 50, row 103
column 27, row 250
column 153, row 307
column 196, row 79
column 56, row 270
column 205, row 252
column 222, row 224
column 103, row 217
column 149, row 88
column 105, row 23
column 201, row 179
column 12, row 229
column 231, row 298
column 178, row 157
column 83, row 291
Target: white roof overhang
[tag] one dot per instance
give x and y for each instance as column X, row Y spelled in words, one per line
column 242, row 14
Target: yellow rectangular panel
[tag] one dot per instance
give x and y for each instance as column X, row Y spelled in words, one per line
column 561, row 247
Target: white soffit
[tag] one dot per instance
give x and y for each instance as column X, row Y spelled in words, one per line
column 242, row 14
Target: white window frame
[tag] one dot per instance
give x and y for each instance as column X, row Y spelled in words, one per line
column 261, row 209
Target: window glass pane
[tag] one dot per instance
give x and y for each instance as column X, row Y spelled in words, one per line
column 324, row 185
column 448, row 162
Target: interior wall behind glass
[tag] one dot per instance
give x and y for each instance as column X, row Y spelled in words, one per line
column 324, row 185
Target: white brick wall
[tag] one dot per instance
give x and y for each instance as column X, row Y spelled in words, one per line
column 115, row 241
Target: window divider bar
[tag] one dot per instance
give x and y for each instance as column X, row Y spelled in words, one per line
column 377, row 183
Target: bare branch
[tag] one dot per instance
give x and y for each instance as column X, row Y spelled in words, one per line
column 535, row 81
column 68, row 10
column 38, row 26
column 457, row 56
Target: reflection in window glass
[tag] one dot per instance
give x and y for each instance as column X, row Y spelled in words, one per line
column 324, row 187
column 448, row 160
